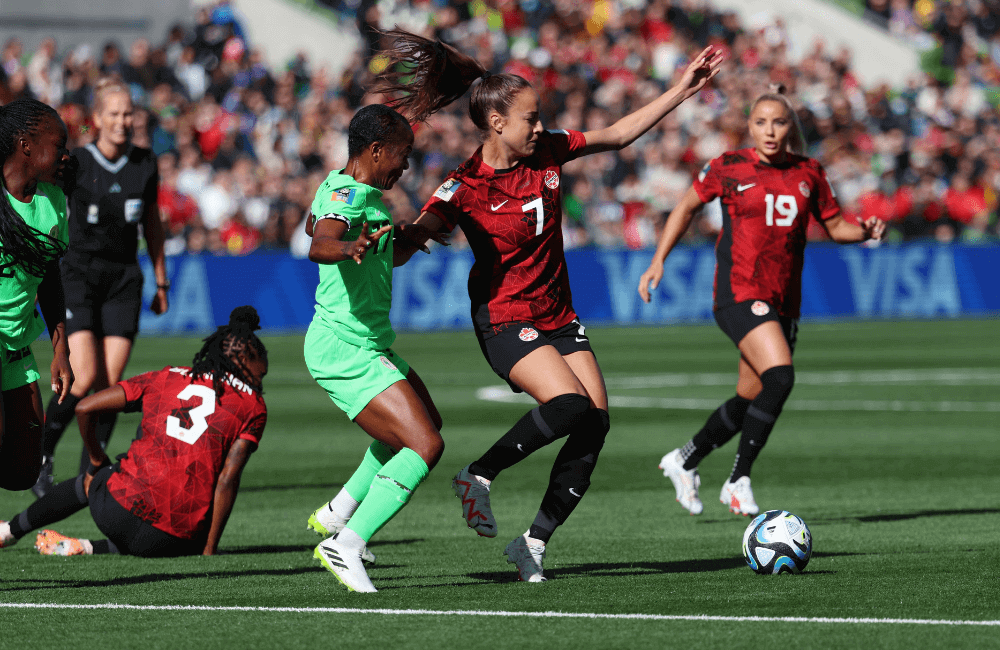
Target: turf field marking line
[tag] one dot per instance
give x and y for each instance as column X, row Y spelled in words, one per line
column 473, row 612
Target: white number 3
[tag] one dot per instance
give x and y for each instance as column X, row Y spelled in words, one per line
column 199, row 424
column 787, row 207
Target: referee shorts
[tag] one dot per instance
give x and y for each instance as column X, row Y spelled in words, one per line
column 352, row 376
column 737, row 320
column 102, row 297
column 131, row 534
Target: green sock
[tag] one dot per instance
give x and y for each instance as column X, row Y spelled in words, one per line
column 390, row 491
column 377, row 455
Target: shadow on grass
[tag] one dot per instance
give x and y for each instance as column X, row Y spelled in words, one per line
column 903, row 516
column 14, row 584
column 294, row 486
column 300, row 548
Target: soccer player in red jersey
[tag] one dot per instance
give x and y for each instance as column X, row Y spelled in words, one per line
column 173, row 491
column 506, row 198
column 768, row 194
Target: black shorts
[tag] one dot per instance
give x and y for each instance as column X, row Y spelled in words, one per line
column 130, row 533
column 102, row 297
column 505, row 344
column 737, row 320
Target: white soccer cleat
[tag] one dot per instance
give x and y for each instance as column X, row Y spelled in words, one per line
column 345, row 564
column 527, row 557
column 686, row 481
column 475, row 496
column 327, row 523
column 6, row 538
column 738, row 496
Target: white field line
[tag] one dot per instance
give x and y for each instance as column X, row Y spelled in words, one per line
column 459, row 612
column 926, row 376
column 503, row 394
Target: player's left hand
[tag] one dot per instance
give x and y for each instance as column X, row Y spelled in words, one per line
column 701, row 70
column 62, row 375
column 413, row 234
column 873, row 228
column 161, row 302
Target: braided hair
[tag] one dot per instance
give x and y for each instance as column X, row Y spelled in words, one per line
column 33, row 249
column 219, row 356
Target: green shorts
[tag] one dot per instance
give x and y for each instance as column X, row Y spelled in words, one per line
column 352, row 376
column 19, row 368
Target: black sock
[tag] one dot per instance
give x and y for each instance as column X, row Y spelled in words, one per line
column 60, row 502
column 761, row 416
column 57, row 418
column 104, row 547
column 724, row 423
column 105, row 426
column 537, row 428
column 571, row 474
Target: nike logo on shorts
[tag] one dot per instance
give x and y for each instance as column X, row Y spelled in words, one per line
column 579, row 340
column 740, row 188
column 573, row 492
column 498, row 206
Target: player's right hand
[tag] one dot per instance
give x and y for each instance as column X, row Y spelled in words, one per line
column 366, row 240
column 649, row 281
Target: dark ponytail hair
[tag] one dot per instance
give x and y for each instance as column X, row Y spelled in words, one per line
column 219, row 355
column 28, row 247
column 374, row 123
column 428, row 75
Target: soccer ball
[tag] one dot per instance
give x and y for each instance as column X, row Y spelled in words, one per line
column 776, row 542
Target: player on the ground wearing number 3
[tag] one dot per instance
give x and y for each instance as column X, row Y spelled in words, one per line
column 507, row 200
column 172, row 492
column 768, row 194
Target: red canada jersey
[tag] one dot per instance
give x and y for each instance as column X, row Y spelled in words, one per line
column 169, row 474
column 513, row 221
column 765, row 211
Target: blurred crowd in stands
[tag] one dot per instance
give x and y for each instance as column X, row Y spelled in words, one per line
column 243, row 145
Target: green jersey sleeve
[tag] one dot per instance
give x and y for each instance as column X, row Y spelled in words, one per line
column 343, row 204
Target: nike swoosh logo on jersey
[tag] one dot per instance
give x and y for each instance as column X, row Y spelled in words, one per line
column 497, row 207
column 740, row 188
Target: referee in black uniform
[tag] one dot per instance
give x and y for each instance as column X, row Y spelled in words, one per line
column 115, row 192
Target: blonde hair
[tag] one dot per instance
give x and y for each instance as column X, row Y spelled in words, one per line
column 796, row 139
column 107, row 86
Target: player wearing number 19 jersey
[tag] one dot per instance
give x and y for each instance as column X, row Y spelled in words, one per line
column 767, row 194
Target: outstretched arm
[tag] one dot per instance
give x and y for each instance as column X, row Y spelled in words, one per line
column 845, row 232
column 677, row 224
column 327, row 246
column 109, row 400
column 413, row 237
column 626, row 130
column 53, row 303
column 225, row 492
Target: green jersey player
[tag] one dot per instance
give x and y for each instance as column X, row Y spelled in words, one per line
column 347, row 347
column 33, row 233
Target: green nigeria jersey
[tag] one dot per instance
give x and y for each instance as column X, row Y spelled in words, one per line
column 354, row 299
column 20, row 323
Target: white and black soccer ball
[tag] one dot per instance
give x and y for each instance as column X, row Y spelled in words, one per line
column 776, row 542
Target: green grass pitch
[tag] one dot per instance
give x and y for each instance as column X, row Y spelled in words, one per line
column 897, row 475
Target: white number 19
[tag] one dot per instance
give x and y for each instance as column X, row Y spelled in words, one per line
column 787, row 207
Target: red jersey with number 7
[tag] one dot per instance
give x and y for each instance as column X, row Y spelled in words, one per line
column 168, row 476
column 513, row 221
column 765, row 211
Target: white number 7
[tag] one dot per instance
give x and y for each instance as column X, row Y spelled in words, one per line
column 199, row 424
column 539, row 209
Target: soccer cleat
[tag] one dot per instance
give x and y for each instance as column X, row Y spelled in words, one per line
column 475, row 496
column 345, row 564
column 686, row 481
column 45, row 480
column 527, row 557
column 326, row 523
column 739, row 497
column 6, row 538
column 49, row 542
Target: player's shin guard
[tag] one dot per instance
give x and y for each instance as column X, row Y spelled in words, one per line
column 57, row 418
column 554, row 419
column 761, row 416
column 571, row 473
column 724, row 423
column 390, row 490
column 377, row 455
column 60, row 502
